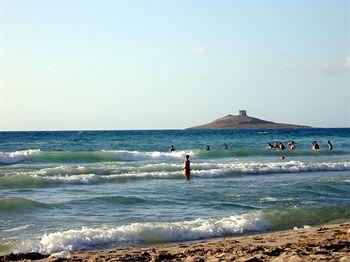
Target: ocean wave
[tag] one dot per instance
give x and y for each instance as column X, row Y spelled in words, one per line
column 7, row 158
column 148, row 233
column 15, row 205
column 271, row 167
column 33, row 181
column 37, row 156
column 91, row 175
column 18, row 228
column 115, row 200
column 19, row 204
column 126, row 155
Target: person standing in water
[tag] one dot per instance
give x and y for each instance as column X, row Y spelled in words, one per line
column 225, row 147
column 187, row 168
column 330, row 146
column 315, row 146
column 172, row 148
column 282, row 147
column 291, row 145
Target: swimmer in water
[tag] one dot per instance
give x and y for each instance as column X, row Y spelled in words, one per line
column 269, row 145
column 225, row 146
column 330, row 146
column 281, row 147
column 315, row 146
column 172, row 148
column 291, row 145
column 207, row 148
column 187, row 168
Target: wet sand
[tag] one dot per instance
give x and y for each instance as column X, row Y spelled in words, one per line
column 322, row 243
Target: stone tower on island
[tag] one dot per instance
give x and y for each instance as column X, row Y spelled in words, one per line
column 242, row 112
column 243, row 121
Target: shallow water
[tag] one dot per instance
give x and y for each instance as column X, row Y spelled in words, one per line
column 86, row 190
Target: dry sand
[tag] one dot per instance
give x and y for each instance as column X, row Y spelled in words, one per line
column 326, row 243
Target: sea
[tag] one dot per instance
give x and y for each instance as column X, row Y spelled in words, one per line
column 84, row 190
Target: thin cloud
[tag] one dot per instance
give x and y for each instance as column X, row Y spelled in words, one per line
column 321, row 69
column 289, row 68
column 331, row 69
column 199, row 51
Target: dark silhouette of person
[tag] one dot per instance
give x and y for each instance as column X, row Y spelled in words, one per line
column 315, row 145
column 330, row 146
column 292, row 145
column 282, row 147
column 187, row 168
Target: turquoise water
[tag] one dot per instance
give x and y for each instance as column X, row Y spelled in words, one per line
column 98, row 189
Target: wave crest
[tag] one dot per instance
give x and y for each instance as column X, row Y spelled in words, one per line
column 115, row 173
column 85, row 238
column 201, row 228
column 7, row 158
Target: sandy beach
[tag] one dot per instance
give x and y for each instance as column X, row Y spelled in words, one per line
column 322, row 243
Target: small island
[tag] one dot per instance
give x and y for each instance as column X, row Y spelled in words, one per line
column 243, row 121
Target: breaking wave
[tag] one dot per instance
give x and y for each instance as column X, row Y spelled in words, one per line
column 37, row 156
column 146, row 233
column 114, row 173
column 19, row 204
column 7, row 158
column 202, row 228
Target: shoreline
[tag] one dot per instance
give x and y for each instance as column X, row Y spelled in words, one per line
column 319, row 243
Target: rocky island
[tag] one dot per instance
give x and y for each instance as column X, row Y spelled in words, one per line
column 243, row 121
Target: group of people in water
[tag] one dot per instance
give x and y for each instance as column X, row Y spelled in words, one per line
column 280, row 146
column 207, row 148
column 187, row 162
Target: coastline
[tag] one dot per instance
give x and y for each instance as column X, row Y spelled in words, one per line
column 319, row 243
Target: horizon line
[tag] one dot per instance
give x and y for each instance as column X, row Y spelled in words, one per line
column 170, row 129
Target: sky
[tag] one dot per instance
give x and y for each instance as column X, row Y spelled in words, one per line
column 87, row 65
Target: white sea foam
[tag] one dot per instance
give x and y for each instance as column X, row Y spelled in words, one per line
column 126, row 155
column 85, row 238
column 16, row 156
column 95, row 174
column 155, row 174
column 55, row 179
column 303, row 227
column 270, row 167
column 62, row 254
column 19, row 228
column 268, row 199
column 74, row 179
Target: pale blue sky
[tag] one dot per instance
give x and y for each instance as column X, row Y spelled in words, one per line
column 169, row 65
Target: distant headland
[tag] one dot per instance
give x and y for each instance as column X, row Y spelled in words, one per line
column 243, row 121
